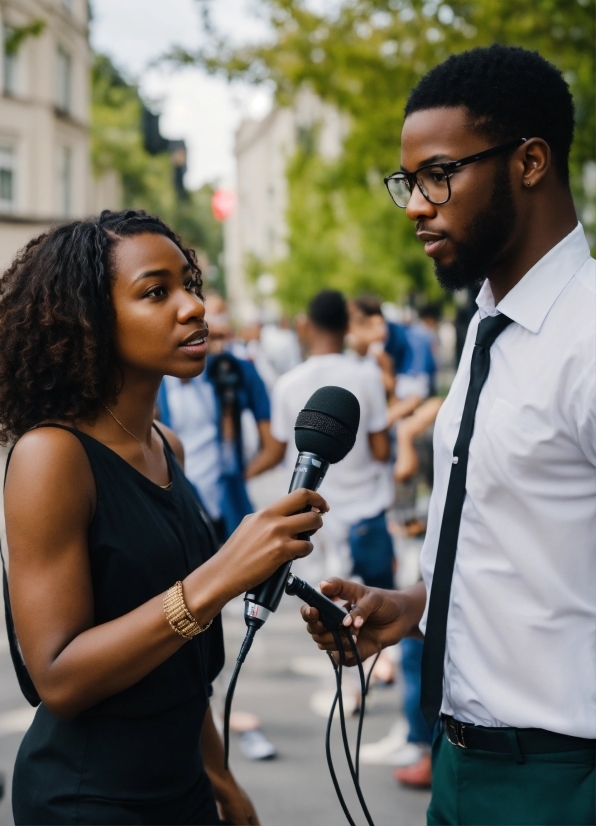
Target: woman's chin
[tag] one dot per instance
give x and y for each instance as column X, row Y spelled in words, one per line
column 188, row 371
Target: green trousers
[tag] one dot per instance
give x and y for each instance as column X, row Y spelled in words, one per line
column 474, row 788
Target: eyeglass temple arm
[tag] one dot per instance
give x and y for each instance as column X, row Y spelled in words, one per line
column 486, row 153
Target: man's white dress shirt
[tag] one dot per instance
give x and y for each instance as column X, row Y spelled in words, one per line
column 521, row 631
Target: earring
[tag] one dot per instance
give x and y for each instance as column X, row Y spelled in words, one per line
column 528, row 183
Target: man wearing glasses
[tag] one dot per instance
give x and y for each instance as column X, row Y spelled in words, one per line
column 508, row 602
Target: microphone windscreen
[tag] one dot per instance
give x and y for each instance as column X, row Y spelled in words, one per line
column 328, row 424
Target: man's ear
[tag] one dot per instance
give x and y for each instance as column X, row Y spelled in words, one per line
column 533, row 162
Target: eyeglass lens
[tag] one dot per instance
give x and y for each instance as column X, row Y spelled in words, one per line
column 432, row 181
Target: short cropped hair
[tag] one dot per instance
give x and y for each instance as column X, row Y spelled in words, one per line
column 329, row 312
column 369, row 305
column 509, row 92
column 430, row 311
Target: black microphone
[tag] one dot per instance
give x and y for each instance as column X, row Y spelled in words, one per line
column 325, row 431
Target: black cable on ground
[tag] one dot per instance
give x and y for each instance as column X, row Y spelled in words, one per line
column 244, row 649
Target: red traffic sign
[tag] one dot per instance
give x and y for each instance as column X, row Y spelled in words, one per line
column 223, row 203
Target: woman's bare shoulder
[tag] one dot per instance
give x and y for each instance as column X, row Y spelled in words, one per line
column 49, row 458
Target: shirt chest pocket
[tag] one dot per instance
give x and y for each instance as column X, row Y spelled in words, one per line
column 517, row 450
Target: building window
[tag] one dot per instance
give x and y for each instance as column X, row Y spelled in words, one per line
column 65, row 181
column 64, row 80
column 7, row 179
column 10, row 66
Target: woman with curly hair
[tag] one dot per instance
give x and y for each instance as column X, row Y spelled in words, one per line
column 115, row 586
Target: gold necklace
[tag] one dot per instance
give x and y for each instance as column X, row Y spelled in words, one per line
column 140, row 441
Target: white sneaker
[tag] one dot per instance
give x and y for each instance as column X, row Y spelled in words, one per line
column 255, row 746
column 408, row 755
column 379, row 754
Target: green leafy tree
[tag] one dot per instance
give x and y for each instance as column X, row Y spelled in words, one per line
column 147, row 180
column 364, row 56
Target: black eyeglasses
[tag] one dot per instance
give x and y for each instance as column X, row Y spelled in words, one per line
column 433, row 179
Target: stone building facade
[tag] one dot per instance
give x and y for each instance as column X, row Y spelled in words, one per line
column 45, row 172
column 257, row 228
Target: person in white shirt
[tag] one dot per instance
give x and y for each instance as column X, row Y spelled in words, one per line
column 509, row 562
column 359, row 489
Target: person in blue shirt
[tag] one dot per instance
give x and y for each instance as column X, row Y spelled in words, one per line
column 420, row 360
column 397, row 344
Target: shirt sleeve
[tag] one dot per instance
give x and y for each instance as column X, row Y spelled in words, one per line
column 280, row 429
column 258, row 398
column 377, row 403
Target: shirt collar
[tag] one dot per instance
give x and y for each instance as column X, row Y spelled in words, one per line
column 530, row 301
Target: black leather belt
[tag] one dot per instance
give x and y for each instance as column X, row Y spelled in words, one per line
column 515, row 741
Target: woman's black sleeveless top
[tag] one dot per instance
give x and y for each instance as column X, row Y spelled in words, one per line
column 139, row 748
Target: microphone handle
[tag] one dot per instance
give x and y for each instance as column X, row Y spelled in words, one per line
column 263, row 600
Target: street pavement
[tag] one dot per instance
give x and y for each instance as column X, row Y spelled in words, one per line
column 283, row 670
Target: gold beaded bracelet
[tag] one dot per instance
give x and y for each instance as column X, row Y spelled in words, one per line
column 178, row 615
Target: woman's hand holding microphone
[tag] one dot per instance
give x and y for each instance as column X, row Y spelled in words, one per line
column 263, row 542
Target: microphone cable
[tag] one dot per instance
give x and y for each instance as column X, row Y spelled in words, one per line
column 330, row 765
column 328, row 754
column 342, row 717
column 331, row 615
column 244, row 649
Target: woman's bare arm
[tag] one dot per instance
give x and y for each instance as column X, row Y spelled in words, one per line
column 49, row 503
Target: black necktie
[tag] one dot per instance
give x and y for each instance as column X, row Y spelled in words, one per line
column 433, row 654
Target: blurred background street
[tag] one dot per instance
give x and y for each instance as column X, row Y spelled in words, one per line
column 261, row 132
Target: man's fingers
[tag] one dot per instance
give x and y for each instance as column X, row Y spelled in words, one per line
column 309, row 614
column 324, row 638
column 333, row 586
column 361, row 611
column 339, row 589
column 297, row 501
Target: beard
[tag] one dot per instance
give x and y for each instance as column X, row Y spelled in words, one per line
column 486, row 237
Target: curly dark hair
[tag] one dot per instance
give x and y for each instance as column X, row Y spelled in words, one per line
column 57, row 358
column 510, row 92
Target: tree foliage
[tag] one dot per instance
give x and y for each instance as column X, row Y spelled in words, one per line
column 14, row 37
column 147, row 180
column 364, row 56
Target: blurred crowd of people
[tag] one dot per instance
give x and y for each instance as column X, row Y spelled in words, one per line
column 236, row 421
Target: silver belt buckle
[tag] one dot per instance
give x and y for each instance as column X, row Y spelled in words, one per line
column 457, row 729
